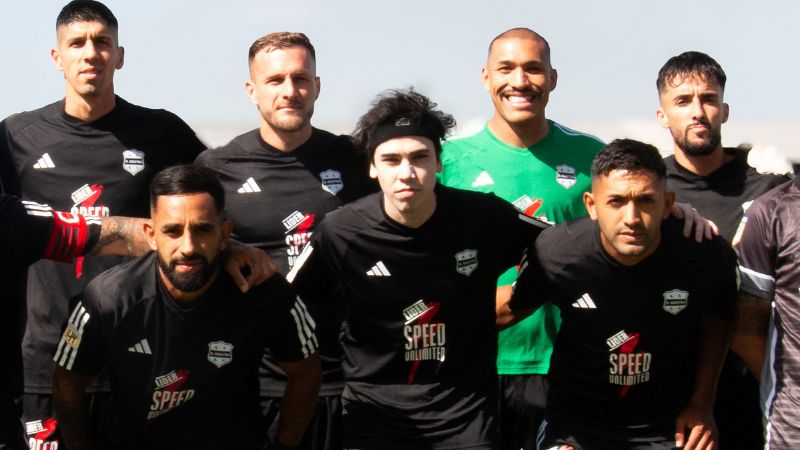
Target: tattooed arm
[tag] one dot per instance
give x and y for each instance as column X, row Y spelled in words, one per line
column 749, row 335
column 72, row 408
column 121, row 236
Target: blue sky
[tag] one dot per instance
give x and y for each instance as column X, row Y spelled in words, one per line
column 190, row 56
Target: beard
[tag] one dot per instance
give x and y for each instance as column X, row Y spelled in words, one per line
column 288, row 123
column 702, row 148
column 189, row 281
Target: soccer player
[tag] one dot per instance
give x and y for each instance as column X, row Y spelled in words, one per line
column 280, row 180
column 90, row 153
column 767, row 315
column 180, row 342
column 416, row 266
column 30, row 231
column 540, row 166
column 643, row 312
column 721, row 185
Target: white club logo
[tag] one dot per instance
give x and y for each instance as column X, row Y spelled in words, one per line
column 566, row 175
column 675, row 301
column 220, row 353
column 466, row 262
column 133, row 161
column 331, row 181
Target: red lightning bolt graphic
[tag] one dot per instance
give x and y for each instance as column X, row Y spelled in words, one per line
column 424, row 318
column 628, row 347
column 97, row 191
column 531, row 210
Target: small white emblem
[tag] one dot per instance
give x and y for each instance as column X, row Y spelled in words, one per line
column 45, row 162
column 379, row 270
column 133, row 161
column 483, row 179
column 566, row 175
column 331, row 181
column 675, row 301
column 141, row 347
column 220, row 353
column 467, row 262
column 584, row 302
column 249, row 187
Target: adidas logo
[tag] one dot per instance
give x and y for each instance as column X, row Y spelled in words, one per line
column 44, row 162
column 249, row 186
column 585, row 302
column 141, row 347
column 379, row 270
column 483, row 180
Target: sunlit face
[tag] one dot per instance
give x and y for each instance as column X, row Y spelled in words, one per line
column 188, row 233
column 405, row 168
column 629, row 208
column 519, row 79
column 694, row 113
column 284, row 85
column 88, row 53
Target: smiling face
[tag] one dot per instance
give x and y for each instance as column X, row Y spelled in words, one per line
column 284, row 86
column 629, row 208
column 694, row 112
column 405, row 168
column 519, row 79
column 187, row 233
column 88, row 53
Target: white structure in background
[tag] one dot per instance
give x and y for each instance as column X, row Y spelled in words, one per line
column 774, row 143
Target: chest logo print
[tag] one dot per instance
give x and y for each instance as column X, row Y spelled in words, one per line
column 331, row 181
column 466, row 262
column 483, row 179
column 133, row 161
column 220, row 353
column 675, row 301
column 566, row 175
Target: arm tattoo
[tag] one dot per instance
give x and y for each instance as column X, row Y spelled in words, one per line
column 752, row 315
column 123, row 231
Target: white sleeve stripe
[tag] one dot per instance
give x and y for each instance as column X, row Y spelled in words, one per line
column 299, row 262
column 304, row 344
column 40, row 213
column 61, row 344
column 305, row 313
column 33, row 205
column 303, row 317
column 753, row 273
column 84, row 319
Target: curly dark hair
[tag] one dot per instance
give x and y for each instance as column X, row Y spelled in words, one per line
column 409, row 105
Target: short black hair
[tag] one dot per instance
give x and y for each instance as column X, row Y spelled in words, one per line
column 408, row 106
column 187, row 179
column 629, row 155
column 86, row 11
column 689, row 64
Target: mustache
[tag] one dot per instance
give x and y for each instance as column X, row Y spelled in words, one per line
column 535, row 90
column 195, row 257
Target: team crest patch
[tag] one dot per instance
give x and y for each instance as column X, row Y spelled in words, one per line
column 331, row 181
column 133, row 161
column 72, row 336
column 566, row 175
column 466, row 262
column 675, row 301
column 220, row 353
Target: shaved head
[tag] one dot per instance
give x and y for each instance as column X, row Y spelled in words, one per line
column 522, row 33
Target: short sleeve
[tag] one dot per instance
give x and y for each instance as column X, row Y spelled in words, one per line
column 756, row 251
column 532, row 281
column 290, row 328
column 515, row 231
column 312, row 276
column 83, row 346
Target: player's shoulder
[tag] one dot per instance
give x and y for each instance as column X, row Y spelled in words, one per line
column 121, row 286
column 767, row 204
column 465, row 144
column 241, row 145
column 275, row 289
column 580, row 234
column 17, row 122
column 575, row 140
column 339, row 141
column 685, row 250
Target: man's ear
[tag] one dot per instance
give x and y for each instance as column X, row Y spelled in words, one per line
column 56, row 57
column 150, row 234
column 588, row 201
column 669, row 202
column 227, row 229
column 662, row 118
